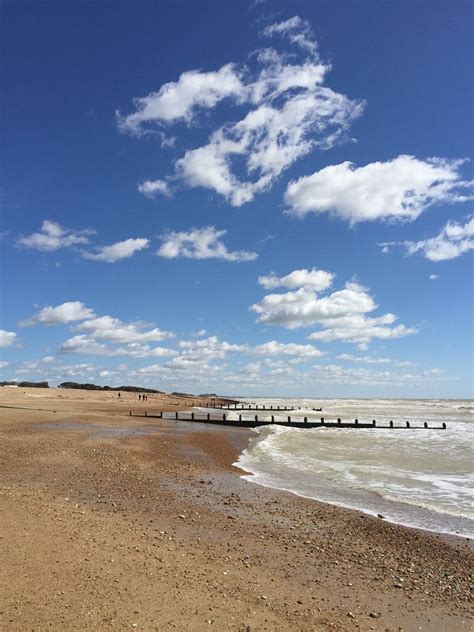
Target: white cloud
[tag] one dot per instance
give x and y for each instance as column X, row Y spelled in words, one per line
column 288, row 113
column 180, row 100
column 60, row 314
column 433, row 277
column 53, row 236
column 201, row 243
column 207, row 349
column 453, row 240
column 150, row 188
column 298, row 32
column 303, row 307
column 104, row 333
column 4, row 364
column 399, row 189
column 274, row 348
column 7, row 338
column 374, row 360
column 335, row 374
column 114, row 330
column 86, row 344
column 118, row 251
column 314, row 279
column 342, row 314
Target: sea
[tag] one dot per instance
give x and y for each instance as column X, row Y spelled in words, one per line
column 421, row 478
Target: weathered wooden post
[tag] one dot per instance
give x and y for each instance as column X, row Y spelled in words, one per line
column 289, row 419
column 176, row 415
column 356, row 422
column 338, row 420
column 192, row 416
column 273, row 419
column 130, row 413
column 256, row 417
column 240, row 417
column 146, row 415
column 444, row 426
column 373, row 423
column 425, row 425
column 223, row 417
column 391, row 424
column 408, row 424
column 306, row 420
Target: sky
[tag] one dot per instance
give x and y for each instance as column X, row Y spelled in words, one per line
column 250, row 198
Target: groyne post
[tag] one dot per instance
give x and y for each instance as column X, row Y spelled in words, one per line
column 130, row 413
column 256, row 417
column 391, row 424
column 408, row 424
column 306, row 420
column 208, row 416
column 176, row 415
column 273, row 418
column 373, row 422
column 289, row 419
column 338, row 420
column 425, row 425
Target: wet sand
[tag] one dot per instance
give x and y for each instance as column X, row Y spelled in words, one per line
column 112, row 522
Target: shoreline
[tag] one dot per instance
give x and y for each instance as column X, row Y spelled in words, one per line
column 110, row 523
column 385, row 506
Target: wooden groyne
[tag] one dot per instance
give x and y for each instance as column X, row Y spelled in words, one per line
column 289, row 423
column 256, row 407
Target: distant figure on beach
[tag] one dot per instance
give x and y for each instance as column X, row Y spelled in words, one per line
column 119, row 395
column 139, row 398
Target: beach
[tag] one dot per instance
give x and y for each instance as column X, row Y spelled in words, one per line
column 114, row 522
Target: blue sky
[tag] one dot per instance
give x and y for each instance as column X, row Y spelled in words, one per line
column 261, row 198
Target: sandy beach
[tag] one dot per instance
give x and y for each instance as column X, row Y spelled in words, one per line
column 114, row 522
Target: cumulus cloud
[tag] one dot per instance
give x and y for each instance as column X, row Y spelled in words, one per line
column 342, row 314
column 151, row 188
column 453, row 240
column 60, row 314
column 7, row 338
column 374, row 360
column 4, row 364
column 288, row 112
column 114, row 330
column 433, row 277
column 399, row 189
column 179, row 100
column 118, row 251
column 53, row 236
column 103, row 334
column 336, row 374
column 314, row 279
column 88, row 345
column 274, row 348
column 201, row 243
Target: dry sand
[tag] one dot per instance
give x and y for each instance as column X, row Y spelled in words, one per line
column 112, row 522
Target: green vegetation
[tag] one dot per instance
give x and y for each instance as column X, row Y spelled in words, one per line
column 96, row 387
column 26, row 384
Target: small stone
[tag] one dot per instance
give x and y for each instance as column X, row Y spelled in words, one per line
column 374, row 615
